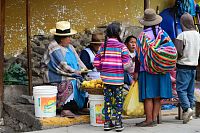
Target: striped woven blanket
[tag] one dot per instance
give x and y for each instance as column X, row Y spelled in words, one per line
column 159, row 55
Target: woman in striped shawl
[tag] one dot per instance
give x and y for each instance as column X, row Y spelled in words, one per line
column 153, row 86
column 62, row 67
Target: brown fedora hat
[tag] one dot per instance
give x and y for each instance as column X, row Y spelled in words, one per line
column 97, row 38
column 150, row 18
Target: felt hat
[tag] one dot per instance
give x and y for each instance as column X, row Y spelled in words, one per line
column 97, row 38
column 150, row 18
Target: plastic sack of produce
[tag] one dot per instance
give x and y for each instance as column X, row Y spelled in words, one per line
column 132, row 106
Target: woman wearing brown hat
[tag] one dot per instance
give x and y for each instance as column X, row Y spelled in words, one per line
column 152, row 86
column 88, row 54
column 62, row 66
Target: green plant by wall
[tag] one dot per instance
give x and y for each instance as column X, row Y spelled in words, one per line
column 15, row 75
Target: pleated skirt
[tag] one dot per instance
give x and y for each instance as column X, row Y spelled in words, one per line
column 154, row 85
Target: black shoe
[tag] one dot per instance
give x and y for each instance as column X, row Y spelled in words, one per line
column 139, row 123
column 118, row 126
column 108, row 126
column 147, row 124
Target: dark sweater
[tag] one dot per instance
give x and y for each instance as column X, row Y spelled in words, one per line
column 85, row 58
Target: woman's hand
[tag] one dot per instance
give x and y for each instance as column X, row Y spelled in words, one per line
column 173, row 79
column 84, row 69
column 135, row 76
column 78, row 72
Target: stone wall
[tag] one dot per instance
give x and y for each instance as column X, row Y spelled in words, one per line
column 40, row 43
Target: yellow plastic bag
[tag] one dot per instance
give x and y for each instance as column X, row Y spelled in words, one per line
column 132, row 106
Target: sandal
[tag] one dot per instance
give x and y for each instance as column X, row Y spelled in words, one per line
column 84, row 111
column 138, row 124
column 67, row 113
column 147, row 124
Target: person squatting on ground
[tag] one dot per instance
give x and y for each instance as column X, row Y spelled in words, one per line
column 152, row 86
column 112, row 59
column 186, row 65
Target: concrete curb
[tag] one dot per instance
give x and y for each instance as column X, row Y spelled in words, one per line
column 21, row 118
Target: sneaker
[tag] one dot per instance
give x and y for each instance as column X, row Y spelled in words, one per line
column 187, row 115
column 118, row 126
column 108, row 126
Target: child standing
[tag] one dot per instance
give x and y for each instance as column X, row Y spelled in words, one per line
column 112, row 59
column 131, row 42
column 186, row 66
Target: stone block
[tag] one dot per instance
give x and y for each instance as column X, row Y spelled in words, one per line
column 13, row 92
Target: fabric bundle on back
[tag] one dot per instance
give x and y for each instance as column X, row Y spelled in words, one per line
column 160, row 54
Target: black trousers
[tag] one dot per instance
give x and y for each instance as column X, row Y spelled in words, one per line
column 72, row 106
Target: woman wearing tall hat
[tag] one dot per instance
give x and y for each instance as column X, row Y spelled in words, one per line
column 63, row 67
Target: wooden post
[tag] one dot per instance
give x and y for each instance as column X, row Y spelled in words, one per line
column 28, row 35
column 2, row 27
column 146, row 4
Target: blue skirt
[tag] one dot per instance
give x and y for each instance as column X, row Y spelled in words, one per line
column 154, row 85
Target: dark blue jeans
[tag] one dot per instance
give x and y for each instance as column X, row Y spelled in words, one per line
column 185, row 87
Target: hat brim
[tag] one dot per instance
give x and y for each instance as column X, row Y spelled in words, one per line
column 96, row 42
column 157, row 21
column 72, row 32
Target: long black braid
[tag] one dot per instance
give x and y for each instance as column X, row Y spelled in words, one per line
column 105, row 44
column 153, row 29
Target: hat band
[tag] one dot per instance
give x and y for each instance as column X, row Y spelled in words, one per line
column 150, row 19
column 63, row 31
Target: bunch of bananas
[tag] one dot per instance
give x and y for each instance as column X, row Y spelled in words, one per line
column 92, row 84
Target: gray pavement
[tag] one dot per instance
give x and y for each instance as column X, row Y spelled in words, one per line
column 169, row 125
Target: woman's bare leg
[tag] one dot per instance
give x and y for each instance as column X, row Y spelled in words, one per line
column 156, row 108
column 148, row 107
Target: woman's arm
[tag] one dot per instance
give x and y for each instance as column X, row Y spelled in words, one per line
column 57, row 61
column 137, row 68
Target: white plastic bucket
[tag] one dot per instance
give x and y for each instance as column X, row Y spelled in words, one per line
column 97, row 117
column 45, row 100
